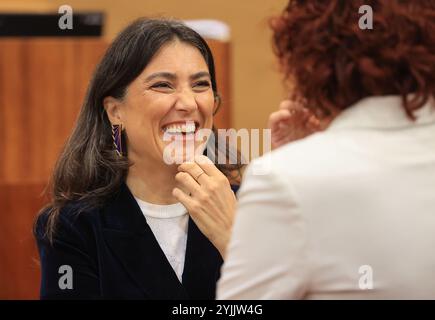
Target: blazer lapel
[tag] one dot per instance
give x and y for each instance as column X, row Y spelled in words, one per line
column 202, row 265
column 132, row 241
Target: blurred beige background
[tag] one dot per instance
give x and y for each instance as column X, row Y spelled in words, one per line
column 256, row 82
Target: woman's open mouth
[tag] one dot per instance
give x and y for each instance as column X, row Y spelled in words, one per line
column 184, row 128
column 183, row 140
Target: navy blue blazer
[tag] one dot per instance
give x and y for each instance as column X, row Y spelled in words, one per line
column 114, row 255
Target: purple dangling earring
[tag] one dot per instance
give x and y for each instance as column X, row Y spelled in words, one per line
column 116, row 136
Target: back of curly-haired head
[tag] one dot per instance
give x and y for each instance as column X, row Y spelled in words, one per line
column 332, row 63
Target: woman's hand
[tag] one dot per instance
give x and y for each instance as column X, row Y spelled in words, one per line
column 206, row 193
column 291, row 122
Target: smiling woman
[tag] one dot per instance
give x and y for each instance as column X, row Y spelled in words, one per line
column 114, row 220
column 173, row 89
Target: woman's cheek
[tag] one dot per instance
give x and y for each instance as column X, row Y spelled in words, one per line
column 207, row 104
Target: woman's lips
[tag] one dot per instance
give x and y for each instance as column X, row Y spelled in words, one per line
column 184, row 131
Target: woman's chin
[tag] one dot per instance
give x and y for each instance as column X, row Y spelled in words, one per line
column 181, row 155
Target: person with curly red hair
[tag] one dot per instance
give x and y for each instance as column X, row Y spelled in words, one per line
column 348, row 210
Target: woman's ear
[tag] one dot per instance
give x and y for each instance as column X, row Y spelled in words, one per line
column 217, row 103
column 113, row 110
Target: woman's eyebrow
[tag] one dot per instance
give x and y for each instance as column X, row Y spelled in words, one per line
column 172, row 76
column 166, row 75
column 200, row 75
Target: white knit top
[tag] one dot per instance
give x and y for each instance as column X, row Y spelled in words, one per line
column 169, row 224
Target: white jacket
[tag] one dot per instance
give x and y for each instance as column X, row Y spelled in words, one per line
column 348, row 213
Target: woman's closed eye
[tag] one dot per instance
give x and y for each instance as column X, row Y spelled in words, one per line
column 202, row 85
column 165, row 86
column 168, row 87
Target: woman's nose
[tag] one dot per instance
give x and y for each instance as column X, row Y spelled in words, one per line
column 186, row 101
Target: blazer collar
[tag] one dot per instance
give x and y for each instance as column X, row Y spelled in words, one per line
column 132, row 241
column 382, row 112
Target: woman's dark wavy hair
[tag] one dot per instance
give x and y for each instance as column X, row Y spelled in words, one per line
column 332, row 63
column 88, row 169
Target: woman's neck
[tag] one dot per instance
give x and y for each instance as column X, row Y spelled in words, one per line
column 153, row 184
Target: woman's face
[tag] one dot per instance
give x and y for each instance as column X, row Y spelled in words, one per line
column 171, row 99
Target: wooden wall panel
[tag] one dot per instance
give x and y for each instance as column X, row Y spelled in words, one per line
column 221, row 54
column 42, row 84
column 19, row 261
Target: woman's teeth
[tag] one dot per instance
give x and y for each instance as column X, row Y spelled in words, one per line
column 177, row 128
